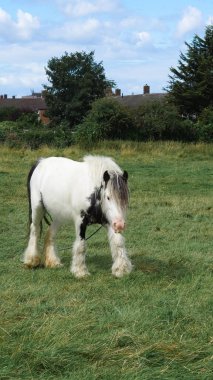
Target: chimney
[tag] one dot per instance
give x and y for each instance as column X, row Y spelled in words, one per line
column 146, row 89
column 5, row 96
column 13, row 97
column 108, row 91
column 117, row 92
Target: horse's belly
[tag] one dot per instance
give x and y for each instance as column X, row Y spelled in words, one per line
column 64, row 206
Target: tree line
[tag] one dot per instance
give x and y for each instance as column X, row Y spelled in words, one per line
column 80, row 112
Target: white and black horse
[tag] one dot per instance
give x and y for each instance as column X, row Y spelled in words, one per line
column 88, row 192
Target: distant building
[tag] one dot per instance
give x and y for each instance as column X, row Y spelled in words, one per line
column 109, row 92
column 146, row 89
column 134, row 101
column 36, row 102
column 31, row 103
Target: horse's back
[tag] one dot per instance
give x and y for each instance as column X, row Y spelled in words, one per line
column 62, row 184
column 58, row 167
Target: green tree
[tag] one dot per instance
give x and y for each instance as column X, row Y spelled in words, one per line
column 191, row 83
column 76, row 80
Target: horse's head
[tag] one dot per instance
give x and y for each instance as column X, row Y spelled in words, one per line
column 115, row 197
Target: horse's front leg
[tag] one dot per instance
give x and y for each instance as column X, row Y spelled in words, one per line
column 121, row 263
column 78, row 265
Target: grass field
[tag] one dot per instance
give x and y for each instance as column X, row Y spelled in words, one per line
column 156, row 323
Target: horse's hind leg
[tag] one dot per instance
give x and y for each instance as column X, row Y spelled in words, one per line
column 32, row 256
column 51, row 258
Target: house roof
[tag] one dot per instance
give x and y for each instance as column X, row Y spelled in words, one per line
column 31, row 104
column 134, row 101
column 35, row 104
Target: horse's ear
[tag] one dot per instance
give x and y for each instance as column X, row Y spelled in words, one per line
column 106, row 177
column 125, row 176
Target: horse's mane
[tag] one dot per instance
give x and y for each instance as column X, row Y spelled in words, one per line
column 119, row 189
column 117, row 185
column 99, row 164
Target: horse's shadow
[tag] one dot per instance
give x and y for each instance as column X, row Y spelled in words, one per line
column 101, row 261
column 175, row 268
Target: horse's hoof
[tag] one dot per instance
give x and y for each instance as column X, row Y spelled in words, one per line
column 53, row 264
column 32, row 263
column 125, row 269
column 81, row 274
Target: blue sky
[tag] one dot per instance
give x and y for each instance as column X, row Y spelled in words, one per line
column 137, row 40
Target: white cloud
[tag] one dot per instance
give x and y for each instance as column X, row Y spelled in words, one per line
column 78, row 8
column 22, row 28
column 78, row 30
column 138, row 22
column 6, row 80
column 113, row 48
column 27, row 79
column 26, row 24
column 4, row 17
column 191, row 19
column 128, row 22
column 144, row 38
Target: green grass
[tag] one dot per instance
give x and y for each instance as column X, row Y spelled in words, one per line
column 156, row 323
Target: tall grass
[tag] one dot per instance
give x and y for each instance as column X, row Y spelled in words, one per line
column 156, row 323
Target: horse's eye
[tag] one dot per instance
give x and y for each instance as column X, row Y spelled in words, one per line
column 108, row 198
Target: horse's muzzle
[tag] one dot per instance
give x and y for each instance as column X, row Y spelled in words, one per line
column 118, row 226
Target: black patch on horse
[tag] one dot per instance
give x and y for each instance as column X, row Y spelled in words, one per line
column 83, row 226
column 29, row 198
column 29, row 190
column 94, row 214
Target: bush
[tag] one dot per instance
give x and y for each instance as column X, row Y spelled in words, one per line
column 206, row 116
column 155, row 122
column 9, row 114
column 204, row 125
column 152, row 121
column 204, row 131
column 16, row 133
column 14, row 114
column 36, row 137
column 33, row 138
column 88, row 133
column 187, row 131
column 8, row 133
column 33, row 135
column 62, row 136
column 28, row 120
column 160, row 120
column 107, row 120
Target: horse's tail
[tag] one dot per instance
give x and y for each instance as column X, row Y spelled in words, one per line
column 29, row 197
column 29, row 190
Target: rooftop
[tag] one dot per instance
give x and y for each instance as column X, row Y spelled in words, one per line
column 32, row 104
column 135, row 101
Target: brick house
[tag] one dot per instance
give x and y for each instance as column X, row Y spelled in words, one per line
column 27, row 104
